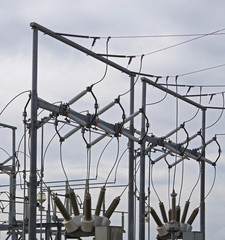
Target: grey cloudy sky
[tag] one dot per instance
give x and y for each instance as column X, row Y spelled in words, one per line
column 64, row 72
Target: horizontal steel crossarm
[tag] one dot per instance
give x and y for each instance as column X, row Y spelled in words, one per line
column 172, row 93
column 6, row 168
column 129, row 135
column 7, row 126
column 107, row 127
column 151, row 139
column 48, row 106
column 110, row 129
column 80, row 48
column 187, row 152
column 79, row 118
column 8, row 159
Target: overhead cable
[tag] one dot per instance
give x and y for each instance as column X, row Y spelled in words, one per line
column 139, row 36
column 13, row 100
column 219, row 115
column 106, row 67
column 138, row 75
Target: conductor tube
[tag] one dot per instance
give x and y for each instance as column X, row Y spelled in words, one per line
column 193, row 216
column 80, row 95
column 185, row 212
column 163, row 212
column 61, row 208
column 156, row 217
column 87, row 207
column 73, row 200
column 112, row 207
column 100, row 201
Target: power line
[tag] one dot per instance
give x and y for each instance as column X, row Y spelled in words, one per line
column 139, row 36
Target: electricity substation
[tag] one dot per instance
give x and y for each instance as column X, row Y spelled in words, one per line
column 66, row 215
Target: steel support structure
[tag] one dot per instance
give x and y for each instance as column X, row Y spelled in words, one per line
column 12, row 205
column 33, row 157
column 12, row 185
column 34, row 106
column 82, row 120
column 131, row 218
column 202, row 181
column 142, row 168
column 202, row 163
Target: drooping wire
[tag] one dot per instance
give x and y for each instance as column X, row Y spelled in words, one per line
column 184, row 42
column 138, row 75
column 13, row 100
column 46, row 149
column 211, row 188
column 175, row 167
column 95, row 106
column 119, row 162
column 61, row 139
column 117, row 155
column 61, row 161
column 182, row 182
column 101, row 155
column 201, row 70
column 153, row 187
column 88, row 163
column 197, row 109
column 220, row 113
column 5, row 151
column 138, row 36
column 178, row 44
column 219, row 151
column 169, row 187
column 123, row 116
column 132, row 179
column 159, row 101
column 199, row 175
column 106, row 67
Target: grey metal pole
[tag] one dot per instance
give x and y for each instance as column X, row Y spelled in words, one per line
column 202, row 185
column 33, row 159
column 24, row 180
column 48, row 220
column 41, row 180
column 142, row 170
column 12, row 206
column 131, row 168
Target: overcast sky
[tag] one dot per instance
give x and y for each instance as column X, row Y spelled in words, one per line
column 149, row 28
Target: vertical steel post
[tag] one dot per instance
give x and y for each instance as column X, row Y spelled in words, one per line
column 48, row 217
column 33, row 158
column 24, row 181
column 142, row 170
column 131, row 168
column 202, row 185
column 12, row 206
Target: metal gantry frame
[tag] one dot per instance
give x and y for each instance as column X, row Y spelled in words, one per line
column 34, row 106
column 202, row 163
column 107, row 127
column 35, row 103
column 12, row 185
